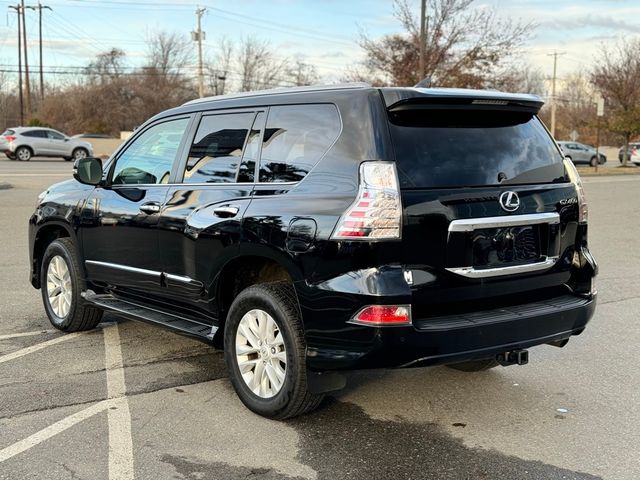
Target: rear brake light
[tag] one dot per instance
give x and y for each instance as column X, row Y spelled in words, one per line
column 381, row 315
column 574, row 176
column 376, row 213
column 9, row 138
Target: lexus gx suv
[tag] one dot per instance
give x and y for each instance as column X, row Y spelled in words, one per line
column 315, row 230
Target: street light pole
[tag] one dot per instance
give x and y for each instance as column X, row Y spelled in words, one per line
column 27, row 85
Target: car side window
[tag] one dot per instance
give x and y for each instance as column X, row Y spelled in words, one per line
column 295, row 139
column 55, row 135
column 35, row 134
column 149, row 157
column 214, row 156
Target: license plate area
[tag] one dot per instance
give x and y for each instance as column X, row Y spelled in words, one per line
column 499, row 247
column 493, row 246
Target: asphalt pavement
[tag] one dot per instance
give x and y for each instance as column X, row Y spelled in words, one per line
column 128, row 400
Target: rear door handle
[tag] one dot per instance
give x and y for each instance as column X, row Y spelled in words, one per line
column 226, row 212
column 150, row 208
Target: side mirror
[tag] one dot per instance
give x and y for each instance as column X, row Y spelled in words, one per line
column 88, row 170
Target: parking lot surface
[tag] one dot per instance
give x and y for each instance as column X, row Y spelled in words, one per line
column 128, row 400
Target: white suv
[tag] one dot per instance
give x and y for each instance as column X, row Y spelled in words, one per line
column 22, row 143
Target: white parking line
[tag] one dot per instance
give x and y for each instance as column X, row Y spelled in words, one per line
column 118, row 416
column 50, row 431
column 34, row 348
column 25, row 334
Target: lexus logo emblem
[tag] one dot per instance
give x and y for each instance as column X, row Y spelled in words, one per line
column 509, row 201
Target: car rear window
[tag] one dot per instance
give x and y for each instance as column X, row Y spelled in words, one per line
column 452, row 148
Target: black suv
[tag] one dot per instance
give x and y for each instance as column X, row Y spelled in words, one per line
column 314, row 230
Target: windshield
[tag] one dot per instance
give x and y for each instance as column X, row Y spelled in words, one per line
column 447, row 148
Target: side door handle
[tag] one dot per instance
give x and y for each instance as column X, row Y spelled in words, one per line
column 226, row 211
column 150, row 208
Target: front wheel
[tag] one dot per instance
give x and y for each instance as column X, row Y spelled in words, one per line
column 594, row 161
column 265, row 352
column 79, row 153
column 61, row 285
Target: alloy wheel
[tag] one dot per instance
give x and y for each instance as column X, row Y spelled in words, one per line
column 59, row 287
column 23, row 154
column 260, row 353
column 79, row 153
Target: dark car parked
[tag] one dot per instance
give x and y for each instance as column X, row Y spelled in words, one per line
column 313, row 230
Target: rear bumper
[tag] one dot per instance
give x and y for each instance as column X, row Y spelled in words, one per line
column 451, row 339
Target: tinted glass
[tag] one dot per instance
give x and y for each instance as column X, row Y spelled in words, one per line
column 295, row 138
column 215, row 154
column 9, row 132
column 55, row 135
column 442, row 148
column 248, row 164
column 35, row 133
column 148, row 159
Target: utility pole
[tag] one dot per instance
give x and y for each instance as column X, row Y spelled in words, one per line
column 553, row 91
column 18, row 10
column 423, row 20
column 40, row 7
column 27, row 85
column 198, row 36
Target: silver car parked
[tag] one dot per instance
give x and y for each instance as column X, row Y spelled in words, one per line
column 22, row 143
column 581, row 153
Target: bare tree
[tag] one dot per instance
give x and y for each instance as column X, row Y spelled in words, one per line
column 617, row 77
column 463, row 45
column 168, row 53
column 108, row 65
column 302, row 73
column 258, row 66
column 218, row 74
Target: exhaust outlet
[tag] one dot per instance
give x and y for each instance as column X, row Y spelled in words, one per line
column 514, row 357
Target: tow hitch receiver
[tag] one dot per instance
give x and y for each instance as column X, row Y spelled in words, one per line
column 514, row 357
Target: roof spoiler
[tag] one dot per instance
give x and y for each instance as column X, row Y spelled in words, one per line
column 398, row 100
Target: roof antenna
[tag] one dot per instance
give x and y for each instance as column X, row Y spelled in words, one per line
column 424, row 83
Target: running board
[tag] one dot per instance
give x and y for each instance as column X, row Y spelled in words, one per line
column 154, row 316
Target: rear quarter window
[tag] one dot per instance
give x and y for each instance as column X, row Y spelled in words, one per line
column 295, row 139
column 452, row 148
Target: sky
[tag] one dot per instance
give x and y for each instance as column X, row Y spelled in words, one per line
column 321, row 32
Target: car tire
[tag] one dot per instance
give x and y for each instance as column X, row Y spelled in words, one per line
column 61, row 284
column 24, row 154
column 475, row 365
column 264, row 320
column 79, row 153
column 594, row 161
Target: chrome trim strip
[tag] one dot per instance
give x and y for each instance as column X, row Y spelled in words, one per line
column 471, row 272
column 126, row 268
column 178, row 278
column 471, row 224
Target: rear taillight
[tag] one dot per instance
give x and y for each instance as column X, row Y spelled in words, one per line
column 384, row 315
column 376, row 213
column 574, row 176
column 9, row 138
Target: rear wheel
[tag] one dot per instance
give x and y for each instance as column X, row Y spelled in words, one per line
column 24, row 154
column 475, row 365
column 265, row 352
column 61, row 285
